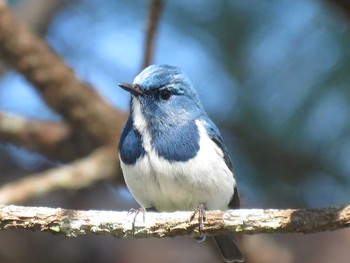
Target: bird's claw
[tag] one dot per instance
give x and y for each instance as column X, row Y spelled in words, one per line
column 202, row 216
column 137, row 212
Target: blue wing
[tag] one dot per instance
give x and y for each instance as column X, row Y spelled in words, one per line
column 215, row 136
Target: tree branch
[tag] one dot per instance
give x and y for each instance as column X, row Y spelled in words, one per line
column 79, row 104
column 54, row 140
column 37, row 14
column 72, row 223
column 101, row 164
column 152, row 25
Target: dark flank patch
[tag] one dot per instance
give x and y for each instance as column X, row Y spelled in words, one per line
column 130, row 144
column 234, row 203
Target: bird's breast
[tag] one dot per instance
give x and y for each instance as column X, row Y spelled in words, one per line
column 163, row 178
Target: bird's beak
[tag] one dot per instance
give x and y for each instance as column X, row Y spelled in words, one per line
column 134, row 89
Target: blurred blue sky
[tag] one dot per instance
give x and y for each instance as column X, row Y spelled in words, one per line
column 104, row 45
column 288, row 49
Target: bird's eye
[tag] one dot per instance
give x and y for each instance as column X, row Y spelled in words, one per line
column 165, row 94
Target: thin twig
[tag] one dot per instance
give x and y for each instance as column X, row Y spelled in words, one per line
column 52, row 139
column 72, row 223
column 101, row 164
column 152, row 25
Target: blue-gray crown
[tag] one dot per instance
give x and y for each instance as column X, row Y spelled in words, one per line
column 156, row 77
column 165, row 94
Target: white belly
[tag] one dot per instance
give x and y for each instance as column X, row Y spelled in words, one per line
column 205, row 179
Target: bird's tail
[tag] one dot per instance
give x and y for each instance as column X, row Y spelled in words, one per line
column 228, row 248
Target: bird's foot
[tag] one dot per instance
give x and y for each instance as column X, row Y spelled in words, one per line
column 202, row 216
column 136, row 212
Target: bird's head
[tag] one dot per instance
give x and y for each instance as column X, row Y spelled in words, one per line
column 164, row 95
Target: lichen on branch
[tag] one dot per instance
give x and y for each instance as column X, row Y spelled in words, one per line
column 72, row 223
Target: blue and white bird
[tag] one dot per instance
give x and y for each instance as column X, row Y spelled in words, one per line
column 171, row 153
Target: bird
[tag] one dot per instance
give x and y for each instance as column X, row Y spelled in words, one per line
column 172, row 154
